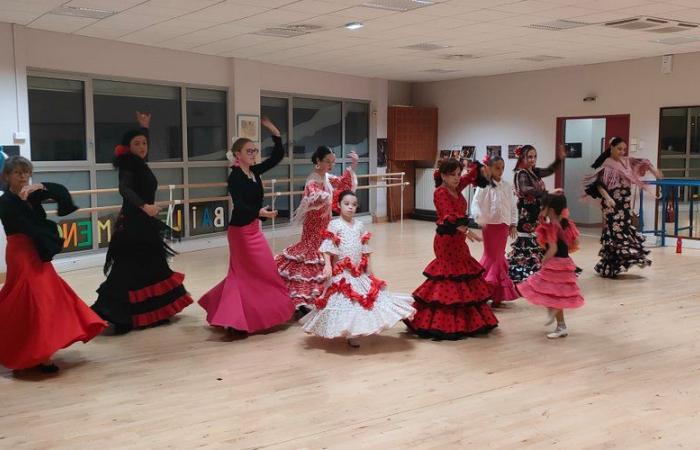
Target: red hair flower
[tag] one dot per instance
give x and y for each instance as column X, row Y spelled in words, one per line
column 120, row 150
column 486, row 160
column 518, row 151
column 436, row 174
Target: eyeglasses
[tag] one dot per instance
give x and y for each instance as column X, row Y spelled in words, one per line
column 252, row 151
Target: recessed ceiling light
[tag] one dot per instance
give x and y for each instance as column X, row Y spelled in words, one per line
column 79, row 11
column 354, row 25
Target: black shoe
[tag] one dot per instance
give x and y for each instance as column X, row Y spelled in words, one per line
column 47, row 368
column 301, row 311
column 578, row 270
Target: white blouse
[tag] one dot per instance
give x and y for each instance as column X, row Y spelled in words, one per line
column 495, row 204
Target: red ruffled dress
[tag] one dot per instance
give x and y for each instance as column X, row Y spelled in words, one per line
column 301, row 265
column 451, row 303
column 555, row 285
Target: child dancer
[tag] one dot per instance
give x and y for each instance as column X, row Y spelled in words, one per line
column 301, row 264
column 39, row 313
column 355, row 304
column 554, row 286
column 495, row 210
column 451, row 303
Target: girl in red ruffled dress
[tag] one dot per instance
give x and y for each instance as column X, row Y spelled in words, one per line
column 356, row 302
column 39, row 313
column 301, row 265
column 554, row 286
column 452, row 302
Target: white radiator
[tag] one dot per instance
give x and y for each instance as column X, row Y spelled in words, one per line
column 425, row 186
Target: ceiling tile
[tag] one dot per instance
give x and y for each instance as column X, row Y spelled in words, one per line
column 64, row 24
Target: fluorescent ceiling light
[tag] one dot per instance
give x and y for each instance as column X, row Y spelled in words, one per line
column 354, row 25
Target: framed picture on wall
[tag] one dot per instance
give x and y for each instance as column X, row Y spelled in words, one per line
column 381, row 152
column 467, row 152
column 574, row 149
column 248, row 126
column 493, row 150
column 511, row 151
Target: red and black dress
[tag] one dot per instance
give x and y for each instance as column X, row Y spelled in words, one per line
column 39, row 313
column 451, row 303
column 140, row 289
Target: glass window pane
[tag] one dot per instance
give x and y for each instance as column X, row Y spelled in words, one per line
column 201, row 175
column 276, row 109
column 280, row 172
column 115, row 105
column 694, row 132
column 363, row 194
column 108, row 179
column 206, row 125
column 673, row 130
column 316, row 122
column 357, row 128
column 56, row 119
column 166, row 177
column 676, row 163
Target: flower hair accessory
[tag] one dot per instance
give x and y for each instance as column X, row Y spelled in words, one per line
column 120, row 150
column 518, row 151
column 611, row 140
column 486, row 160
column 436, row 174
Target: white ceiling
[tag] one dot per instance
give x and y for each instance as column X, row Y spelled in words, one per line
column 493, row 30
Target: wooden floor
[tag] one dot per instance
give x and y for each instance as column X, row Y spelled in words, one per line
column 627, row 377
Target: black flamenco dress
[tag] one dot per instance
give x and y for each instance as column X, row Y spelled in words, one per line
column 140, row 289
column 525, row 257
column 452, row 303
column 39, row 313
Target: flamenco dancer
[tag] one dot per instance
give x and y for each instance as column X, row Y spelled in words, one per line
column 554, row 286
column 622, row 246
column 252, row 297
column 525, row 256
column 494, row 209
column 39, row 313
column 301, row 264
column 356, row 303
column 140, row 290
column 452, row 302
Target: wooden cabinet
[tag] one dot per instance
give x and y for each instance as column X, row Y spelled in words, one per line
column 412, row 133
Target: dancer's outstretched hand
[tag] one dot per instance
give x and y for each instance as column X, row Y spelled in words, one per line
column 27, row 190
column 267, row 212
column 513, row 231
column 473, row 237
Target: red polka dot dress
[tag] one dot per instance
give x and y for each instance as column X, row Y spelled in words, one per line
column 451, row 303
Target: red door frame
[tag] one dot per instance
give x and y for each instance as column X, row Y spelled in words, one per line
column 620, row 128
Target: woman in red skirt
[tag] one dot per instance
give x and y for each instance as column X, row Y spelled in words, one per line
column 451, row 303
column 39, row 313
column 253, row 296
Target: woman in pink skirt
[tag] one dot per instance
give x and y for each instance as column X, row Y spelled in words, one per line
column 554, row 286
column 252, row 297
column 495, row 210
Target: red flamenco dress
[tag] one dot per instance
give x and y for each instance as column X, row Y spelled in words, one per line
column 301, row 265
column 555, row 285
column 451, row 303
column 39, row 313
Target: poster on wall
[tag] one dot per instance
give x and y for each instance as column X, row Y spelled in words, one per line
column 511, row 151
column 209, row 217
column 574, row 149
column 463, row 154
column 493, row 150
column 467, row 152
column 248, row 126
column 381, row 152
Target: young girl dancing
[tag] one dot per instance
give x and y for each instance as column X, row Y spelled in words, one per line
column 39, row 313
column 355, row 304
column 554, row 286
column 452, row 302
column 495, row 210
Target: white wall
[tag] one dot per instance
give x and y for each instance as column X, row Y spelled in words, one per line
column 523, row 107
column 589, row 133
column 63, row 53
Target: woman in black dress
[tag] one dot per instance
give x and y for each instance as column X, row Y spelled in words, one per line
column 140, row 290
column 525, row 257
